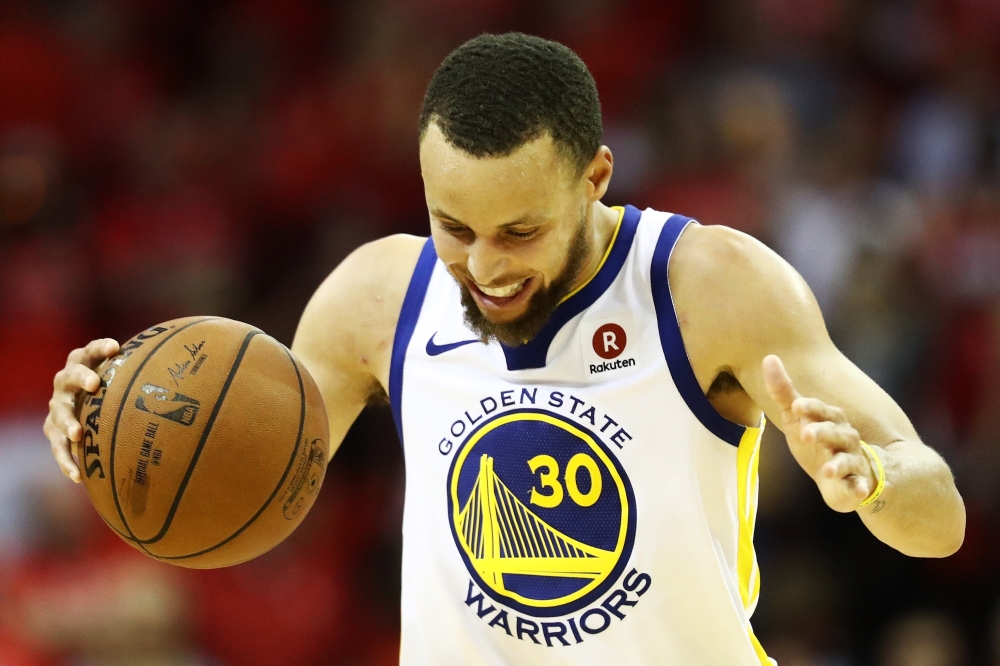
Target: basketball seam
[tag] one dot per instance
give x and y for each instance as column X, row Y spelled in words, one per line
column 281, row 481
column 114, row 432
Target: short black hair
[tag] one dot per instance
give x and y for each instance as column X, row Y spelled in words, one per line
column 494, row 93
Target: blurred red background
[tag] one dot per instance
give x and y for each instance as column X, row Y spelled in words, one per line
column 168, row 158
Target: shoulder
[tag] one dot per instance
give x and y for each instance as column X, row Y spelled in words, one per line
column 379, row 268
column 351, row 319
column 718, row 255
column 716, row 264
column 735, row 297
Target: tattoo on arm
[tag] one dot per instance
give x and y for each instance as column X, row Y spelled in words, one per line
column 877, row 506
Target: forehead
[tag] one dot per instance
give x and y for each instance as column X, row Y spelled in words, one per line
column 529, row 181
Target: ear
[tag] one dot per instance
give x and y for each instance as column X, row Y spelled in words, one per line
column 597, row 175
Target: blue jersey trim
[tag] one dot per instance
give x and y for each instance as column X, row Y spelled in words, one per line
column 673, row 344
column 408, row 316
column 533, row 353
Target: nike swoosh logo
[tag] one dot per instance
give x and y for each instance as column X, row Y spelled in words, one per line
column 434, row 350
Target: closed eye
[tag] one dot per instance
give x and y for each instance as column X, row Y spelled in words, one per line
column 452, row 229
column 522, row 235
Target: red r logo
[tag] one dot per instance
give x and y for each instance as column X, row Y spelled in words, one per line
column 609, row 341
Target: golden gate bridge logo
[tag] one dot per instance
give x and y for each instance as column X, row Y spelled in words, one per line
column 504, row 536
column 507, row 535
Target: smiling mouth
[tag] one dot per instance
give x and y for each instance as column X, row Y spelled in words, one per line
column 502, row 292
column 499, row 299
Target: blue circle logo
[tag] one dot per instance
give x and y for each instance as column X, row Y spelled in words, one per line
column 541, row 512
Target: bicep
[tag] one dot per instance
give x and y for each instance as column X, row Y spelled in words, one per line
column 345, row 335
column 327, row 345
column 343, row 394
column 772, row 311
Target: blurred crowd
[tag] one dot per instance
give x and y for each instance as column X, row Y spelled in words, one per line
column 166, row 158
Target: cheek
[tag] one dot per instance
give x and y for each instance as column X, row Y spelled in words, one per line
column 449, row 249
column 545, row 259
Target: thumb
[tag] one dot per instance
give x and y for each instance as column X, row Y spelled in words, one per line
column 780, row 386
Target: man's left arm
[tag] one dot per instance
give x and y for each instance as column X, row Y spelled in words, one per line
column 826, row 406
column 825, row 416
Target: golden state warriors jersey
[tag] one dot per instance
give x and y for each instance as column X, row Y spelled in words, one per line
column 577, row 499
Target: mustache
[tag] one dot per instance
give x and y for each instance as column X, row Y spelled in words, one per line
column 502, row 281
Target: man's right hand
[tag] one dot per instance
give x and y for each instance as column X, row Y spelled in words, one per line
column 61, row 425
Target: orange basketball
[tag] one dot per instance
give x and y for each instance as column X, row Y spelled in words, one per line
column 206, row 444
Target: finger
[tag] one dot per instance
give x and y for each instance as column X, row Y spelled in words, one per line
column 844, row 495
column 812, row 409
column 64, row 418
column 75, row 378
column 61, row 451
column 67, row 465
column 848, row 469
column 779, row 386
column 94, row 353
column 834, row 435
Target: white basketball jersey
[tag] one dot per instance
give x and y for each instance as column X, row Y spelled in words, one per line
column 574, row 500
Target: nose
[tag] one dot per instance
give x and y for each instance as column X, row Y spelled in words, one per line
column 484, row 264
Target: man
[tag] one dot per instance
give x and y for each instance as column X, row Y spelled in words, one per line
column 580, row 391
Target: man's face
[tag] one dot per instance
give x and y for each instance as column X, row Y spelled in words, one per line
column 513, row 231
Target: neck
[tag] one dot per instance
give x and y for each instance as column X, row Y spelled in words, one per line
column 602, row 221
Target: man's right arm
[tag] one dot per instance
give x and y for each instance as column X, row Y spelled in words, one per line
column 344, row 339
column 346, row 332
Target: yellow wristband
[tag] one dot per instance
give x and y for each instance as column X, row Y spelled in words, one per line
column 877, row 463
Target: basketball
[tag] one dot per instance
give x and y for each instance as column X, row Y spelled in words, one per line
column 205, row 445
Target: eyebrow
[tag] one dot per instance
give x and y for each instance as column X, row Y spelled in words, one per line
column 436, row 212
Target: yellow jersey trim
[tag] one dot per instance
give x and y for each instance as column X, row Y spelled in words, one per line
column 607, row 253
column 747, row 462
column 759, row 650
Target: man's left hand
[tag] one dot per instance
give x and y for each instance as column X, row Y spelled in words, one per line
column 822, row 441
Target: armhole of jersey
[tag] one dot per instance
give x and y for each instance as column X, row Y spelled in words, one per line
column 408, row 316
column 672, row 342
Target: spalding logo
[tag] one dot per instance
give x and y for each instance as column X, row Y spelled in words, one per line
column 541, row 511
column 609, row 341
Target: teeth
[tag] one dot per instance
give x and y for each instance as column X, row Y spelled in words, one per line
column 502, row 292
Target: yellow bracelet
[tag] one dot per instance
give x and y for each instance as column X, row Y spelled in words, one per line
column 877, row 462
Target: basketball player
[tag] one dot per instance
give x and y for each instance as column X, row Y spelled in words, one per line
column 580, row 391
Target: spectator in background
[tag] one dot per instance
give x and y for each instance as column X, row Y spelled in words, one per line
column 923, row 639
column 222, row 156
column 78, row 594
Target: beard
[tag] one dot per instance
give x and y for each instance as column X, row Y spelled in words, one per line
column 541, row 305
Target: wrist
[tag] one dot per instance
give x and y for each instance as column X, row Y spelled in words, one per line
column 877, row 474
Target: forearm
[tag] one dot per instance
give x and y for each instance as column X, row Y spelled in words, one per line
column 920, row 512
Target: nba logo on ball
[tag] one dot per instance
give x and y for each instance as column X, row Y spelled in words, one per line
column 609, row 341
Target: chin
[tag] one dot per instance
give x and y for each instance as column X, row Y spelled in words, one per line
column 506, row 319
column 511, row 328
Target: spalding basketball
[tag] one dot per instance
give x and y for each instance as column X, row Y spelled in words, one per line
column 206, row 443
